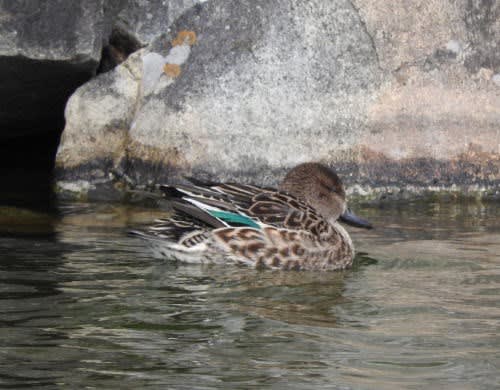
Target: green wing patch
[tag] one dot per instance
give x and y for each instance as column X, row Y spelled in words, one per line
column 233, row 218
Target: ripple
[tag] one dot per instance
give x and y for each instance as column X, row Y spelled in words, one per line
column 90, row 308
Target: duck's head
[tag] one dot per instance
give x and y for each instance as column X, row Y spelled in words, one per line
column 321, row 188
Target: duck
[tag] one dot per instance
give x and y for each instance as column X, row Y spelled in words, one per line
column 296, row 226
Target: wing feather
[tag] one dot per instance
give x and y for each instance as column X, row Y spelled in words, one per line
column 271, row 207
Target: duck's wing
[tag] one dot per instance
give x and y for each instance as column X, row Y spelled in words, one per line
column 217, row 206
column 180, row 227
column 283, row 210
column 239, row 205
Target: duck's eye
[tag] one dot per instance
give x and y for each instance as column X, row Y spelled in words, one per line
column 322, row 195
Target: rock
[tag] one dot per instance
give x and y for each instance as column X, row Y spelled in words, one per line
column 482, row 25
column 228, row 90
column 47, row 49
column 146, row 19
column 19, row 222
column 496, row 79
column 153, row 64
column 132, row 24
column 108, row 104
column 253, row 96
column 454, row 47
column 435, row 121
column 51, row 30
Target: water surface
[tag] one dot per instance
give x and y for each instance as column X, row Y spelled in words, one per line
column 84, row 305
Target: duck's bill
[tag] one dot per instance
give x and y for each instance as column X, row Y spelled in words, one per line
column 352, row 219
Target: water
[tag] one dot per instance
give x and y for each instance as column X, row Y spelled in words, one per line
column 84, row 306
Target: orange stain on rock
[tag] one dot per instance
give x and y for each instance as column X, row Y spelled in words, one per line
column 184, row 37
column 172, row 70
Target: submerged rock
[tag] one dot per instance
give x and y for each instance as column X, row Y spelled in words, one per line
column 18, row 222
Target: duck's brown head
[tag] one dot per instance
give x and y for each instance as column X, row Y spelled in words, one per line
column 321, row 187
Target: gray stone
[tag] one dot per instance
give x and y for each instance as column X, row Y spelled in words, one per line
column 482, row 22
column 51, row 30
column 153, row 64
column 454, row 46
column 146, row 19
column 496, row 79
column 47, row 49
column 243, row 90
column 108, row 104
column 261, row 91
column 267, row 84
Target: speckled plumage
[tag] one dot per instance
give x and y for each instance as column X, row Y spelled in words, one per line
column 293, row 228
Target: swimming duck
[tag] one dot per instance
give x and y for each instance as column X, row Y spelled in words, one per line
column 294, row 227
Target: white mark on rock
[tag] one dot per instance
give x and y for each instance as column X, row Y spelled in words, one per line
column 496, row 79
column 79, row 186
column 454, row 46
column 178, row 55
column 152, row 70
column 155, row 65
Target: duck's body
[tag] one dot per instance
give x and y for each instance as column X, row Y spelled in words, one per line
column 294, row 227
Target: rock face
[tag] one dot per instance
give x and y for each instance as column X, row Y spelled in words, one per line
column 145, row 19
column 400, row 94
column 47, row 49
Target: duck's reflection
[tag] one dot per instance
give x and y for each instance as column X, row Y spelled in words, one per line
column 306, row 298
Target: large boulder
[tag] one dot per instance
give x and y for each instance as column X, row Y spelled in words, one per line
column 402, row 94
column 258, row 87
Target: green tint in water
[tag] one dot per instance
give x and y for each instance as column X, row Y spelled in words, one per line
column 83, row 305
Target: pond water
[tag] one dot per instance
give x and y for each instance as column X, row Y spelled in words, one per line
column 82, row 305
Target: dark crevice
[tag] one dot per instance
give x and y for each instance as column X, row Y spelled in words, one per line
column 120, row 45
column 27, row 164
column 33, row 97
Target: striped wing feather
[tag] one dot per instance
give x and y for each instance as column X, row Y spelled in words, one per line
column 266, row 205
column 271, row 207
